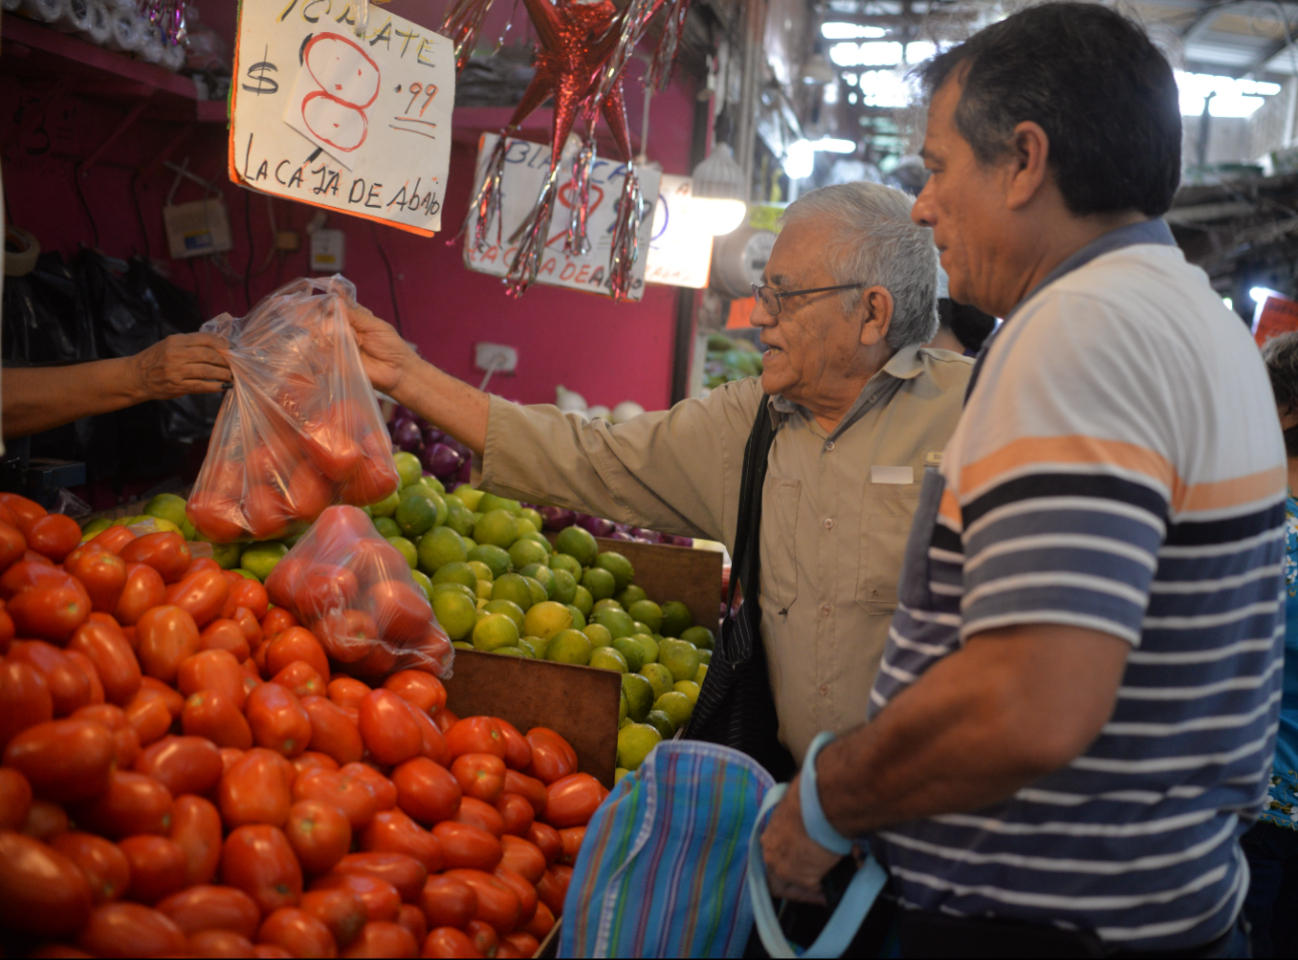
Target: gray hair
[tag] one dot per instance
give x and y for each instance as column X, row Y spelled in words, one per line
column 874, row 241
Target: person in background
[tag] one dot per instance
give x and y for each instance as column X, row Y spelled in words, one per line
column 33, row 399
column 858, row 409
column 1272, row 844
column 1075, row 718
column 960, row 327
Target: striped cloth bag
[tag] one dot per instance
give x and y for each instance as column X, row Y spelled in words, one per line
column 663, row 869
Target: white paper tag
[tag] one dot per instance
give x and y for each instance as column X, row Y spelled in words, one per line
column 892, row 474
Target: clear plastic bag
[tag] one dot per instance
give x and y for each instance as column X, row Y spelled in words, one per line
column 354, row 591
column 301, row 429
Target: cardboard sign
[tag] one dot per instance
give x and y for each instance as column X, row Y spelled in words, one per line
column 526, row 167
column 680, row 250
column 1274, row 315
column 361, row 125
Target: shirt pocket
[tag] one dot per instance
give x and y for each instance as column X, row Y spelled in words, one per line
column 886, row 516
column 780, row 543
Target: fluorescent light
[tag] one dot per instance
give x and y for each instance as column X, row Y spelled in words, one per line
column 799, row 160
column 831, row 93
column 872, row 53
column 837, row 30
column 850, row 79
column 718, row 217
column 1258, row 294
column 883, row 88
column 830, row 145
column 919, row 51
column 1230, row 97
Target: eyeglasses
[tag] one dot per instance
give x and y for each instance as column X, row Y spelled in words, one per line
column 770, row 298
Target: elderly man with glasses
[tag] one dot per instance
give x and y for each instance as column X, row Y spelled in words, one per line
column 854, row 410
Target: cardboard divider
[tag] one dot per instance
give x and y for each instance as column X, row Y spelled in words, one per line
column 578, row 703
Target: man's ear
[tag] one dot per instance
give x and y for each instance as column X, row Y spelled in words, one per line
column 876, row 309
column 1289, row 419
column 1028, row 164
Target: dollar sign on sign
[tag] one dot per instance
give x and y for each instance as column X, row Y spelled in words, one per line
column 264, row 83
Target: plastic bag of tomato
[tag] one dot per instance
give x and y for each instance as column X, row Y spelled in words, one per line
column 301, row 429
column 183, row 774
column 354, row 591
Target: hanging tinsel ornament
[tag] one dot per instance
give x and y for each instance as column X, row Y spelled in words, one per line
column 168, row 16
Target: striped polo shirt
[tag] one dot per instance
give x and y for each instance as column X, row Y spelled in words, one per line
column 1119, row 466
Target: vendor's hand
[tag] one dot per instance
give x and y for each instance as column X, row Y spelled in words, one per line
column 181, row 364
column 384, row 354
column 795, row 864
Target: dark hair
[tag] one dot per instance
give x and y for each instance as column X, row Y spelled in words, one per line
column 967, row 324
column 1093, row 81
column 1281, row 356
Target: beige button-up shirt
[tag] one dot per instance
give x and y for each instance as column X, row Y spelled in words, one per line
column 836, row 508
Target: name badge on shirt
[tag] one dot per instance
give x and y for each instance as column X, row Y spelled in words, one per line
column 892, row 474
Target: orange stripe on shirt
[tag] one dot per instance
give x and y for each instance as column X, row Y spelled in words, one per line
column 1239, row 491
column 1072, row 449
column 949, row 509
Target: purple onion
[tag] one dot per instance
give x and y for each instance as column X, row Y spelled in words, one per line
column 619, row 535
column 403, row 413
column 466, row 472
column 596, row 525
column 405, row 434
column 441, row 460
column 557, row 518
column 676, row 541
column 648, row 536
column 430, row 433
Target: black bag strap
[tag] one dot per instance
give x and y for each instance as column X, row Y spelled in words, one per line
column 746, row 563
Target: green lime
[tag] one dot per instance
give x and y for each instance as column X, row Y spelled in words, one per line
column 600, row 583
column 513, row 587
column 470, row 543
column 188, row 530
column 524, row 552
column 539, row 538
column 639, row 695
column 455, row 612
column 565, row 587
column 676, row 618
column 526, row 526
column 497, row 527
column 247, row 574
column 598, row 633
column 495, row 630
column 509, row 608
column 409, row 469
column 387, row 506
column 424, row 583
column 481, row 570
column 662, row 723
column 95, row 527
column 461, row 645
column 680, row 657
column 458, row 517
column 437, row 485
column 705, row 658
column 467, row 496
column 533, row 517
column 677, row 706
column 659, row 677
column 631, row 651
column 689, row 688
column 608, row 603
column 439, row 547
column 454, row 572
column 407, row 550
column 539, row 593
column 578, row 618
column 491, row 502
column 701, row 637
column 561, row 561
column 617, row 565
column 227, row 555
column 636, row 741
column 648, row 613
column 619, row 622
column 569, row 646
column 535, row 644
column 387, row 527
column 638, row 626
column 496, row 559
column 619, row 772
column 517, row 651
column 583, row 601
column 260, row 558
column 578, row 543
column 547, row 618
column 415, row 515
column 483, row 589
column 649, row 645
column 632, row 594
column 542, row 575
column 607, row 658
column 167, row 506
column 461, row 589
column 622, row 709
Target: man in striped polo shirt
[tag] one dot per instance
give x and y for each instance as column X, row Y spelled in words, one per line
column 1077, row 708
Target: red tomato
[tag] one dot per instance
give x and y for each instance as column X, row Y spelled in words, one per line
column 542, row 923
column 498, row 904
column 130, row 930
column 201, row 594
column 388, row 729
column 277, row 720
column 348, row 636
column 214, row 516
column 374, row 479
column 296, row 643
column 113, row 539
column 196, row 829
column 144, row 590
column 256, row 790
column 546, row 839
column 266, row 512
column 53, row 535
column 347, row 692
column 308, row 492
column 69, row 684
column 227, row 635
column 480, row 775
column 182, row 764
column 476, row 735
column 516, row 812
column 391, row 831
column 381, row 900
column 298, row 932
column 427, row 791
column 400, row 609
column 87, row 668
column 7, row 631
column 529, row 788
column 114, row 719
column 218, row 943
column 484, row 937
column 434, row 744
column 216, row 717
column 384, row 940
column 523, row 889
column 133, row 803
column 112, row 656
column 380, row 660
column 518, row 752
column 165, row 636
column 385, row 791
column 525, row 944
column 339, row 910
column 12, row 545
column 148, row 716
column 212, row 908
column 45, row 821
column 329, row 444
column 545, row 733
column 42, row 892
column 268, row 951
column 214, row 671
column 313, row 760
column 103, row 574
column 319, row 833
column 481, row 815
column 150, row 686
column 571, row 801
column 413, row 919
column 301, row 679
column 15, row 799
column 24, row 698
column 105, row 867
column 549, row 760
column 404, row 872
column 283, row 580
column 157, row 867
column 449, row 942
column 277, row 621
column 165, row 552
column 51, row 612
column 64, row 760
column 246, row 593
column 354, row 797
column 259, row 861
column 332, row 732
column 572, row 838
column 464, row 845
column 523, row 857
column 21, row 511
column 416, row 687
column 26, row 574
column 248, row 624
column 448, row 902
column 324, row 588
column 553, row 887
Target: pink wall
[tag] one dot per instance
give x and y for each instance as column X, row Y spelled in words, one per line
column 609, row 352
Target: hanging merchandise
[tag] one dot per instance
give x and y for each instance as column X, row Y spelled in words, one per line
column 168, row 16
column 301, row 429
column 584, row 50
column 351, row 112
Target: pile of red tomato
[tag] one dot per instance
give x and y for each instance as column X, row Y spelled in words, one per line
column 184, row 775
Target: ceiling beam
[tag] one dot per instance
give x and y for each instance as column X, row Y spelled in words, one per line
column 1202, row 21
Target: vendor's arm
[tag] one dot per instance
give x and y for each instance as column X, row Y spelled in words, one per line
column 1013, row 705
column 41, row 398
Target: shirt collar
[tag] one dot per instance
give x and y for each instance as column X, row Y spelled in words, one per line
column 905, row 364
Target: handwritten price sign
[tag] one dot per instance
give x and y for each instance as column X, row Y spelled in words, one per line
column 357, row 124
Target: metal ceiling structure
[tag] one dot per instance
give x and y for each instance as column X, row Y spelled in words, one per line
column 1236, row 38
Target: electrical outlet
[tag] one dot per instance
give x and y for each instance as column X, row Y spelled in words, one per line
column 497, row 357
column 327, row 251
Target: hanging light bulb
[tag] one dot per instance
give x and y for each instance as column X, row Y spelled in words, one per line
column 719, row 192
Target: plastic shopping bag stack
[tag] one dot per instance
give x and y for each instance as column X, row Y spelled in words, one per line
column 301, row 429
